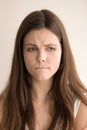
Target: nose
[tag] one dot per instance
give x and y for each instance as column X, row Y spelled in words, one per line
column 41, row 56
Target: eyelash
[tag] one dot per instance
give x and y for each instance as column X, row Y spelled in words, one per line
column 32, row 49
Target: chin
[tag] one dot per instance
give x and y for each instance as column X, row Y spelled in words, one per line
column 43, row 78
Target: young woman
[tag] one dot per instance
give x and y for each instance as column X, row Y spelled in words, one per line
column 44, row 91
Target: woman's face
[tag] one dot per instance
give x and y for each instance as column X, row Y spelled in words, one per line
column 42, row 54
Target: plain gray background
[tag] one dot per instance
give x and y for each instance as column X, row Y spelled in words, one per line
column 73, row 14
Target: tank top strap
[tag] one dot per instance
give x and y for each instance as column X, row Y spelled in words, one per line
column 76, row 107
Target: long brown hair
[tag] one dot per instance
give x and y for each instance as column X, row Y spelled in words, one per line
column 17, row 106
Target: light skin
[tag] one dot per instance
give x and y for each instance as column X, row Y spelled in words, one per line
column 42, row 54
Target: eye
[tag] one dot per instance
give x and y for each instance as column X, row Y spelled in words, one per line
column 51, row 49
column 32, row 49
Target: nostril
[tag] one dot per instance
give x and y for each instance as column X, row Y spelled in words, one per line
column 40, row 59
column 43, row 60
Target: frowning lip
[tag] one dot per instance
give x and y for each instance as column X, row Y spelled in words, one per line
column 42, row 67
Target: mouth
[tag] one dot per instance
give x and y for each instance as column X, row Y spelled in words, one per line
column 42, row 68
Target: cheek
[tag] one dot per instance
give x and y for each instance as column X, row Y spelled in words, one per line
column 28, row 60
column 56, row 60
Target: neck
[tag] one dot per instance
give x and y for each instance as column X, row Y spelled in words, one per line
column 40, row 90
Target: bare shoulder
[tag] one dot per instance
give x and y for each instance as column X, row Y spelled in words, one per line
column 81, row 117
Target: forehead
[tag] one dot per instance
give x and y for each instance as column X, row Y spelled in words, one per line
column 42, row 35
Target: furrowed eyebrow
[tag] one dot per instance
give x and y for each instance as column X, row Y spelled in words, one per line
column 30, row 44
column 50, row 45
